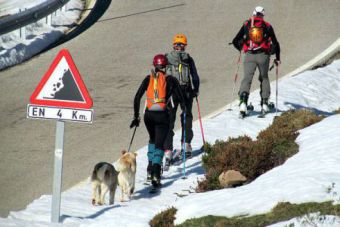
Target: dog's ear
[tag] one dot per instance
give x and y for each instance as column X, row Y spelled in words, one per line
column 123, row 152
column 135, row 153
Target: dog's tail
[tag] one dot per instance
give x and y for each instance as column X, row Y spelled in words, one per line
column 107, row 175
column 133, row 167
column 94, row 175
column 95, row 170
column 134, row 163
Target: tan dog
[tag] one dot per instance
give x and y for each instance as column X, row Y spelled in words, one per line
column 126, row 166
column 104, row 179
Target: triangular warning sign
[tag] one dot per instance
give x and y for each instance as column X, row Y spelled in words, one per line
column 62, row 85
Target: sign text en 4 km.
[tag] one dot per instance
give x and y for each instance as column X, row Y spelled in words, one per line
column 57, row 113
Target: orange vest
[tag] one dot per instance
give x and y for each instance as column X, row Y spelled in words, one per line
column 156, row 92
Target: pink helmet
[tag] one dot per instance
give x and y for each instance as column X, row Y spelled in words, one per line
column 160, row 61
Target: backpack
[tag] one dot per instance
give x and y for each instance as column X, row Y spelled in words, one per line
column 255, row 32
column 178, row 67
column 156, row 92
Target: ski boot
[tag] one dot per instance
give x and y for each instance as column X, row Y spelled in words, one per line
column 271, row 106
column 188, row 150
column 243, row 105
column 156, row 178
column 168, row 158
column 149, row 173
column 265, row 107
column 250, row 108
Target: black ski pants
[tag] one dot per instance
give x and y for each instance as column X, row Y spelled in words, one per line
column 188, row 99
column 157, row 124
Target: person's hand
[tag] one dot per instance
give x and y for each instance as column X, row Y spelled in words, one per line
column 135, row 122
column 195, row 94
column 277, row 62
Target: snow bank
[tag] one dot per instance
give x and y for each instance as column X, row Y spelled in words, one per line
column 39, row 35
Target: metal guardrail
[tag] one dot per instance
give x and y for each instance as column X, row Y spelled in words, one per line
column 18, row 20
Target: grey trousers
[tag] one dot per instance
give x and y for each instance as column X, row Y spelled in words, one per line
column 250, row 63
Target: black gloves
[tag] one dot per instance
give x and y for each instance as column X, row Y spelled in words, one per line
column 238, row 44
column 195, row 94
column 135, row 122
column 277, row 62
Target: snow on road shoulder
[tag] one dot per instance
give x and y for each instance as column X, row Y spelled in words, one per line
column 303, row 178
column 39, row 35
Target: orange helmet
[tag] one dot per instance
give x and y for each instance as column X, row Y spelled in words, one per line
column 180, row 38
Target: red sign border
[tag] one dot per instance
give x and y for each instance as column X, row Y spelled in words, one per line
column 79, row 81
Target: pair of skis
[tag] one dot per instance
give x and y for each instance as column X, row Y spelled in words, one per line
column 250, row 108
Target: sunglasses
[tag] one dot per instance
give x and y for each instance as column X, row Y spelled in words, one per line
column 179, row 45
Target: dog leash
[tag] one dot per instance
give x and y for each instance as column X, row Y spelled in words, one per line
column 133, row 136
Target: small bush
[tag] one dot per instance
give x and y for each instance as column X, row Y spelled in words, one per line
column 337, row 111
column 164, row 219
column 273, row 147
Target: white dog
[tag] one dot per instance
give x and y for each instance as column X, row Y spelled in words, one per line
column 126, row 166
column 104, row 179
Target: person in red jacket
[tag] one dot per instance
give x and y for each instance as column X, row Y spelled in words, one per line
column 258, row 41
column 158, row 88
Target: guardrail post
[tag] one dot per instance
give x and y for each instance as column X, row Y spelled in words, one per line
column 22, row 30
column 63, row 8
column 49, row 19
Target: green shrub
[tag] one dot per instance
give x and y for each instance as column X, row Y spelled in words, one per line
column 272, row 148
column 164, row 219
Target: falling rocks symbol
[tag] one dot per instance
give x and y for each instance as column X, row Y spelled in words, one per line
column 70, row 90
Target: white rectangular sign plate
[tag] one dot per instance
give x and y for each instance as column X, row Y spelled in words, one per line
column 57, row 113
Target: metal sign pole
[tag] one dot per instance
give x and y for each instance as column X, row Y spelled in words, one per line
column 58, row 169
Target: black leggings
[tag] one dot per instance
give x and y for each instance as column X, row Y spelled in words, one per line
column 157, row 124
column 189, row 134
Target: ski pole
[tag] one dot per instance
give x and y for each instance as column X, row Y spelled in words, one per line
column 200, row 119
column 184, row 148
column 277, row 88
column 133, row 136
column 235, row 78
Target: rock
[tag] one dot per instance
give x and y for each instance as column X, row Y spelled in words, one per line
column 231, row 178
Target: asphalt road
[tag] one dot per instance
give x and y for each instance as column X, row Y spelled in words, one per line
column 114, row 55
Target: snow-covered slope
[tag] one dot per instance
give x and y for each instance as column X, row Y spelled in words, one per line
column 303, row 178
